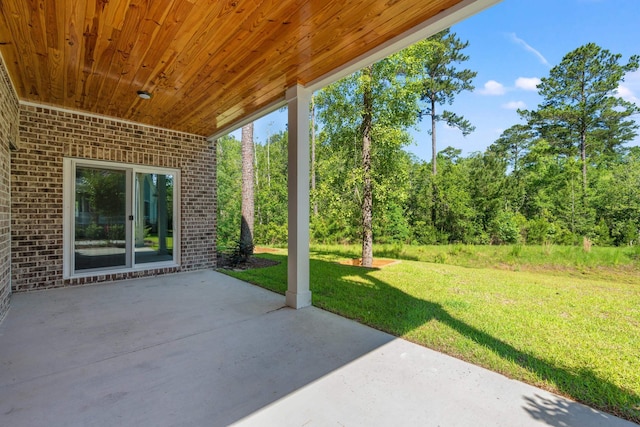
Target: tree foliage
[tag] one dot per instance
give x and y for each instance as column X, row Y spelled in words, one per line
column 527, row 187
column 581, row 114
column 229, row 191
column 364, row 118
column 441, row 80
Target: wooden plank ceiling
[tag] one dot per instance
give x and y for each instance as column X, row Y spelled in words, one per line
column 208, row 63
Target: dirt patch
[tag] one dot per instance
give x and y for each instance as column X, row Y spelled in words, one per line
column 262, row 250
column 376, row 263
column 250, row 263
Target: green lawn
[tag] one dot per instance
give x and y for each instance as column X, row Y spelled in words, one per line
column 576, row 336
column 608, row 263
column 155, row 245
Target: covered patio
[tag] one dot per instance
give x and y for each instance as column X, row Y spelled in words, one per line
column 201, row 348
column 123, row 90
column 110, row 91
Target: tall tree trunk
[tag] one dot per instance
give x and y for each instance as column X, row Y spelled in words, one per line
column 583, row 141
column 247, row 209
column 256, row 167
column 434, row 152
column 583, row 158
column 313, row 154
column 434, row 166
column 367, row 192
column 573, row 210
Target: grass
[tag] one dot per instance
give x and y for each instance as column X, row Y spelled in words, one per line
column 607, row 263
column 155, row 243
column 576, row 336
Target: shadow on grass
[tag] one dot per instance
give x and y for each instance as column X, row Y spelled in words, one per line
column 354, row 293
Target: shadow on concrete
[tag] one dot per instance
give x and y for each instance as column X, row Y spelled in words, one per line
column 195, row 349
column 560, row 412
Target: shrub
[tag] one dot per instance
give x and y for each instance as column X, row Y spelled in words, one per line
column 424, row 234
column 539, row 231
column 600, row 234
column 115, row 232
column 239, row 253
column 626, row 233
column 271, row 234
column 504, row 228
column 93, row 231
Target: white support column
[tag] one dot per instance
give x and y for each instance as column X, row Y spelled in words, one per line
column 298, row 294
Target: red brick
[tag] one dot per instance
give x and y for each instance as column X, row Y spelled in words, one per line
column 37, row 186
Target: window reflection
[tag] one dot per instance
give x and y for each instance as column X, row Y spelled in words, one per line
column 154, row 218
column 100, row 218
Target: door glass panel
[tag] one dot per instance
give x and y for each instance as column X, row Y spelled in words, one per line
column 100, row 218
column 153, row 218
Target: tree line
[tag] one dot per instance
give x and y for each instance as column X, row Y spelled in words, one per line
column 563, row 176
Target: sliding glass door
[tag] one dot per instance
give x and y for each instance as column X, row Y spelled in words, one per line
column 119, row 217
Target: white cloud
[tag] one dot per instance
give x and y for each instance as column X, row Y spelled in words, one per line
column 630, row 89
column 492, row 87
column 527, row 83
column 626, row 94
column 514, row 105
column 633, row 78
column 528, row 48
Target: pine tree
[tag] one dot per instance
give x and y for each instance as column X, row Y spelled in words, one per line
column 442, row 81
column 247, row 209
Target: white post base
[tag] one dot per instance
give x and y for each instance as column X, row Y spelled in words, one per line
column 298, row 300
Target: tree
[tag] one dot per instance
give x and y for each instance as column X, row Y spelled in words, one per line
column 581, row 113
column 617, row 200
column 366, row 115
column 442, row 81
column 490, row 192
column 420, row 203
column 271, row 190
column 367, row 189
column 229, row 182
column 453, row 215
column 512, row 146
column 313, row 154
column 247, row 209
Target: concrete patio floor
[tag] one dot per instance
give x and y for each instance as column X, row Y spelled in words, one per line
column 203, row 349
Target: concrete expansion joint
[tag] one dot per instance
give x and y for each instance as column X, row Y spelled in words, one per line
column 276, row 309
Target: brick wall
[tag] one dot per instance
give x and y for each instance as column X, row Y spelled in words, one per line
column 8, row 132
column 47, row 136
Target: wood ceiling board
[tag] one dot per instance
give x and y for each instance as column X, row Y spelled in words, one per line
column 208, row 63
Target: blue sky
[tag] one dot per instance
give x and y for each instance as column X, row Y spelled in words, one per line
column 511, row 46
